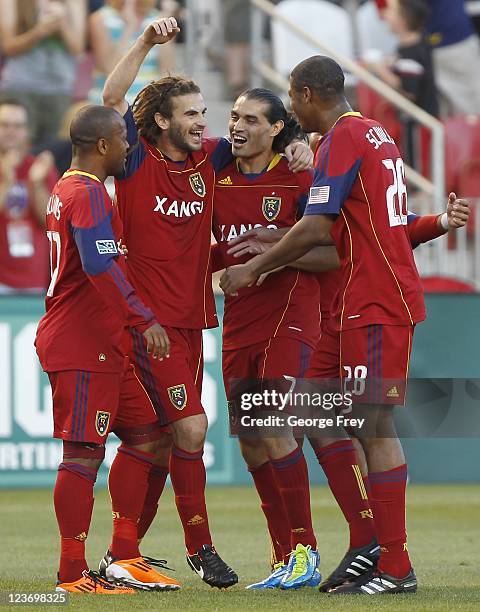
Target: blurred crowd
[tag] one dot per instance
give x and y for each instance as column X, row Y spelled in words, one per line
column 55, row 55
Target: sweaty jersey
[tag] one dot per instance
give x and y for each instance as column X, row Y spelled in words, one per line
column 166, row 210
column 89, row 302
column 286, row 304
column 360, row 176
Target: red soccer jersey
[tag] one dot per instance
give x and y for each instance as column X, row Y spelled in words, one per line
column 166, row 209
column 420, row 229
column 23, row 248
column 360, row 176
column 89, row 302
column 287, row 303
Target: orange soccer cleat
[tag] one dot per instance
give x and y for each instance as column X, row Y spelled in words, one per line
column 138, row 573
column 91, row 583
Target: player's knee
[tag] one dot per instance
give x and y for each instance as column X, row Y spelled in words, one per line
column 189, row 434
column 89, row 454
column 163, row 447
column 280, row 447
column 253, row 451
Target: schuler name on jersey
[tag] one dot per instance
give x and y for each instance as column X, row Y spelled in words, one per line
column 178, row 208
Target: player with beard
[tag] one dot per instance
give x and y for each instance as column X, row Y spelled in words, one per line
column 83, row 344
column 165, row 200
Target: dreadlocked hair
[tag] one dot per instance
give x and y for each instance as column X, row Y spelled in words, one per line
column 157, row 98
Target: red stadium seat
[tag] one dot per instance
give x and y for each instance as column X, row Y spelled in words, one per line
column 462, row 159
column 373, row 106
column 462, row 154
column 443, row 284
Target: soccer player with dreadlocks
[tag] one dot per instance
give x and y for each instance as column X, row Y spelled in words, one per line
column 165, row 200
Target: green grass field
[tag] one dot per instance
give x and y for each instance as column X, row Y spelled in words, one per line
column 444, row 536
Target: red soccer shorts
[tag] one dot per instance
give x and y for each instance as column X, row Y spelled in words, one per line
column 175, row 384
column 272, row 359
column 89, row 405
column 372, row 361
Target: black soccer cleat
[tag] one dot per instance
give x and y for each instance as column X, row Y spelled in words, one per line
column 211, row 568
column 355, row 563
column 377, row 583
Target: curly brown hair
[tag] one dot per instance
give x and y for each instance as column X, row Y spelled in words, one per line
column 157, row 97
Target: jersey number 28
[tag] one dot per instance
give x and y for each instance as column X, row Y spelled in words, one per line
column 396, row 192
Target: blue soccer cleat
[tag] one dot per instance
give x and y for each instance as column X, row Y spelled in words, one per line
column 302, row 568
column 273, row 581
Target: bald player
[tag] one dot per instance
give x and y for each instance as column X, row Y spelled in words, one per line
column 82, row 343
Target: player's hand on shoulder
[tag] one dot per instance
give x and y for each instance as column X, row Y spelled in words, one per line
column 236, row 277
column 458, row 211
column 157, row 341
column 161, row 31
column 299, row 156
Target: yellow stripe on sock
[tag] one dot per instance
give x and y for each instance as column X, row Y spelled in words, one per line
column 361, row 484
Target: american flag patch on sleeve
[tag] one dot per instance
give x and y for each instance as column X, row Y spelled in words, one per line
column 319, row 195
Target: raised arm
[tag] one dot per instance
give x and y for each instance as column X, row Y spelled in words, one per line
column 123, row 75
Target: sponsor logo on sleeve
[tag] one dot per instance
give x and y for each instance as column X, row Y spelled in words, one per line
column 197, row 184
column 106, row 247
column 319, row 195
column 271, row 207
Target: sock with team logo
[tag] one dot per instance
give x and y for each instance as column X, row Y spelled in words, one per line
column 187, row 473
column 156, row 483
column 388, row 501
column 291, row 476
column 127, row 483
column 73, row 501
column 272, row 506
column 339, row 462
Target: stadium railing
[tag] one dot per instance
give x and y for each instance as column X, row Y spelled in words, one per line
column 459, row 258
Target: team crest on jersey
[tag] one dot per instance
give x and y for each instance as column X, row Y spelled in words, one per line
column 101, row 422
column 178, row 396
column 271, row 207
column 197, row 184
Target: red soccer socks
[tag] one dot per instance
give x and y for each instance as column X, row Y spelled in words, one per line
column 127, row 482
column 73, row 500
column 339, row 462
column 156, row 483
column 187, row 473
column 388, row 501
column 272, row 506
column 291, row 476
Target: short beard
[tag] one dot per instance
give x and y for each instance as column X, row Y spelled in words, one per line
column 175, row 135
